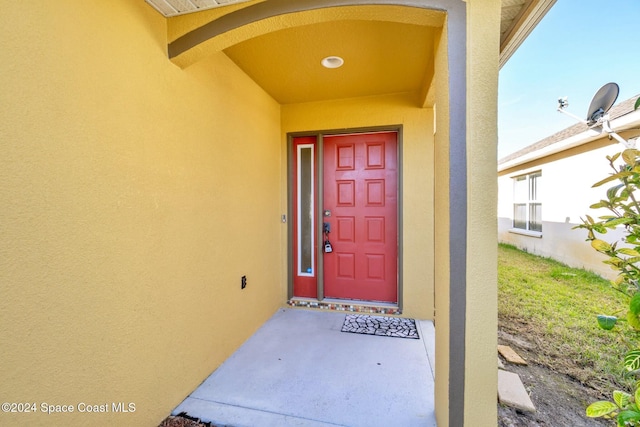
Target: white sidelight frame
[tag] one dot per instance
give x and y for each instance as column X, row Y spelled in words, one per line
column 308, row 193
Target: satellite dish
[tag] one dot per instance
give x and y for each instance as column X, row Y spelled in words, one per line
column 597, row 117
column 602, row 102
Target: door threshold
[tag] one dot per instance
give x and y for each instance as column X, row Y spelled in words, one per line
column 353, row 306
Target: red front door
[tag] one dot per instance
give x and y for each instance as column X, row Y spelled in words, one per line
column 360, row 203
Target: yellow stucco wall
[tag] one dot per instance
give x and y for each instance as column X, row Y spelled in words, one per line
column 482, row 298
column 129, row 191
column 417, row 158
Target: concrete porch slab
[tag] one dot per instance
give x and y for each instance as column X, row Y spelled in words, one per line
column 299, row 369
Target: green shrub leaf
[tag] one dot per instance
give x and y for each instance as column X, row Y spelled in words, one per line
column 601, row 408
column 634, row 304
column 598, row 205
column 614, row 177
column 613, row 191
column 600, row 245
column 633, row 260
column 604, row 181
column 629, row 156
column 599, row 228
column 632, row 360
column 633, row 321
column 621, row 398
column 613, row 261
column 629, row 251
column 625, row 417
column 618, row 221
column 637, row 104
column 607, row 322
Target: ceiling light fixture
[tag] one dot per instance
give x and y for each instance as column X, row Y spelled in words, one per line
column 332, row 62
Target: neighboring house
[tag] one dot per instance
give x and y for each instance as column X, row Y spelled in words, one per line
column 154, row 163
column 545, row 189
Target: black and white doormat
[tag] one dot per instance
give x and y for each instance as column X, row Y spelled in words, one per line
column 378, row 325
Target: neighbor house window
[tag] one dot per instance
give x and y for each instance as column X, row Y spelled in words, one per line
column 527, row 209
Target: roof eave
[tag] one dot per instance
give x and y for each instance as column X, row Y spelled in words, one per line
column 620, row 124
column 527, row 20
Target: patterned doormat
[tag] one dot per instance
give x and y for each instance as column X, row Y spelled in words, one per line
column 378, row 325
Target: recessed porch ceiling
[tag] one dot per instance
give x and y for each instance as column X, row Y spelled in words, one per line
column 379, row 58
column 383, row 53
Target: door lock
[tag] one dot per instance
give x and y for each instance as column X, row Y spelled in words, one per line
column 326, row 229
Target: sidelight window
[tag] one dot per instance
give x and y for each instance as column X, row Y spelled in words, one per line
column 306, row 209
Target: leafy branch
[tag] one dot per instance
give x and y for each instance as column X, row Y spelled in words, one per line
column 624, row 257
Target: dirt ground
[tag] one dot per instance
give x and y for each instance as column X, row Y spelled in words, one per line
column 560, row 400
column 182, row 421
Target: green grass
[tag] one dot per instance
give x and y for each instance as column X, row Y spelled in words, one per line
column 554, row 307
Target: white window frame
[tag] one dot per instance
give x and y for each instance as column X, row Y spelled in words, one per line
column 532, row 198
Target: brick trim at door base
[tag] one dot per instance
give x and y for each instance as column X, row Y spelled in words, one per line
column 348, row 307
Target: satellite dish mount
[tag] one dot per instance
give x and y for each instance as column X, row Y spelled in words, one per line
column 598, row 113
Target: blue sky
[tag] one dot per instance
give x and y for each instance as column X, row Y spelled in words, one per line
column 578, row 46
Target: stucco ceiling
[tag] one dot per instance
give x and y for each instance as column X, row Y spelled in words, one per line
column 380, row 57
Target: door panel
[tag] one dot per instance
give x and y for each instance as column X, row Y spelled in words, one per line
column 361, row 192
